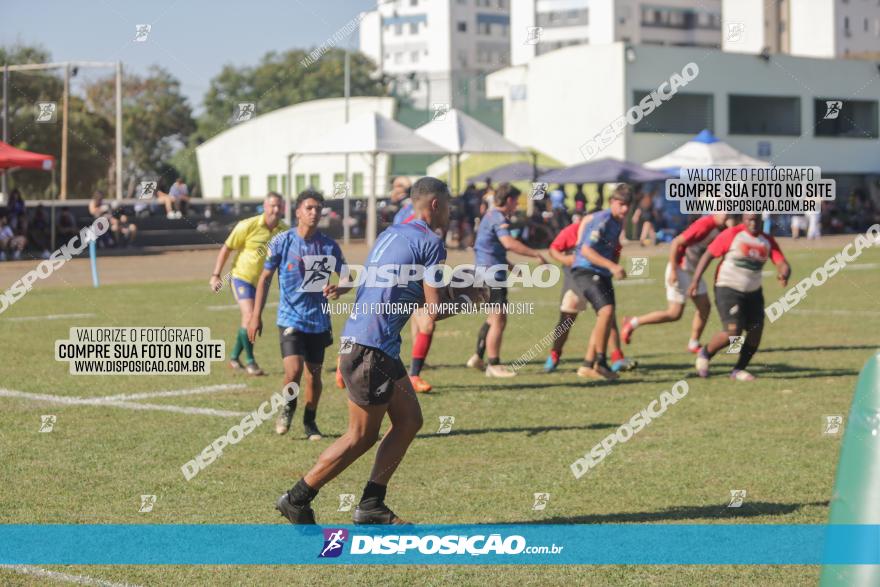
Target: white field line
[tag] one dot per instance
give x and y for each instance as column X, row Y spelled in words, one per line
column 174, row 393
column 49, row 317
column 235, row 306
column 62, row 577
column 851, row 267
column 80, row 401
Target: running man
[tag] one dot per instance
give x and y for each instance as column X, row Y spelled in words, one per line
column 374, row 375
column 684, row 253
column 744, row 249
column 595, row 263
column 250, row 238
column 304, row 258
column 493, row 242
column 572, row 303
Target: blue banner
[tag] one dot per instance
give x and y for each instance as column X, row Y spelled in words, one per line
column 628, row 544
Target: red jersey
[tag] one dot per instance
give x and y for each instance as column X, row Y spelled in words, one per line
column 696, row 237
column 743, row 257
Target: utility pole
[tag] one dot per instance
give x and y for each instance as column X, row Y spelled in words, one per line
column 65, row 109
column 4, row 185
column 118, row 130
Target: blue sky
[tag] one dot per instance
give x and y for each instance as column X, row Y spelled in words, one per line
column 191, row 38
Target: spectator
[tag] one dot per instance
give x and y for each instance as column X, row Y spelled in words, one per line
column 17, row 214
column 180, row 194
column 9, row 241
column 67, row 227
column 798, row 223
column 39, row 231
column 600, row 199
column 580, row 199
column 98, row 208
column 557, row 197
column 125, row 231
column 470, row 205
column 644, row 221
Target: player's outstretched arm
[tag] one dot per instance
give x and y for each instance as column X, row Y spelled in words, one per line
column 215, row 281
column 514, row 246
column 702, row 265
column 255, row 326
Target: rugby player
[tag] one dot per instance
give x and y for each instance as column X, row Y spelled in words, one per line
column 572, row 303
column 744, row 249
column 374, row 375
column 491, row 246
column 594, row 265
column 304, row 258
column 250, row 238
column 685, row 251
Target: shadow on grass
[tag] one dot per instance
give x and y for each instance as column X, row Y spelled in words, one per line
column 530, row 431
column 680, row 513
column 573, row 382
column 788, row 349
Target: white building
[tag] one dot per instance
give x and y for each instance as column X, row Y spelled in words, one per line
column 251, row 158
column 773, row 109
column 809, row 28
column 438, row 50
column 540, row 26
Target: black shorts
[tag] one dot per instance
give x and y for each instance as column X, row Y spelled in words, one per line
column 308, row 345
column 597, row 289
column 743, row 309
column 497, row 295
column 369, row 375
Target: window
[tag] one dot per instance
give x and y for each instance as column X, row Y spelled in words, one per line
column 462, row 27
column 315, row 181
column 338, row 178
column 484, row 28
column 272, row 183
column 414, row 28
column 844, row 118
column 227, row 186
column 413, row 2
column 357, row 184
column 414, row 56
column 300, row 182
column 683, row 113
column 244, row 186
column 398, row 57
column 285, row 187
column 398, row 28
column 764, row 115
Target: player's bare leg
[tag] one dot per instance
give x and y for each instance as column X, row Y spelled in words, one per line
column 594, row 360
column 563, row 326
column 701, row 317
column 293, row 369
column 746, row 352
column 716, row 343
column 246, row 309
column 672, row 313
column 497, row 323
column 423, row 328
column 313, row 388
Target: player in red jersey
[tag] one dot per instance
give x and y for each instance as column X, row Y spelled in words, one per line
column 744, row 250
column 685, row 251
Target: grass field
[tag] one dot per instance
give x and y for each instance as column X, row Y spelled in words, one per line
column 511, row 438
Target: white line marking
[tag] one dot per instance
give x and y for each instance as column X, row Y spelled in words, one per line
column 235, row 306
column 65, row 577
column 633, row 282
column 49, row 317
column 175, row 393
column 81, row 401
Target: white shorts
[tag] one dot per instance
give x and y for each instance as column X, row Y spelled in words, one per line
column 572, row 302
column 678, row 295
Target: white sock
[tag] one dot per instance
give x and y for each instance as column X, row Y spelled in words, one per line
column 634, row 323
column 693, row 343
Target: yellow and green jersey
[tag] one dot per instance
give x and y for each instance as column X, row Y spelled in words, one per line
column 250, row 238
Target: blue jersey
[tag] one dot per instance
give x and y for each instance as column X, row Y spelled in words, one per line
column 406, row 210
column 488, row 248
column 602, row 234
column 413, row 243
column 304, row 268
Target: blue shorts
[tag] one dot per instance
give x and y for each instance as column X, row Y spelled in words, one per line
column 242, row 290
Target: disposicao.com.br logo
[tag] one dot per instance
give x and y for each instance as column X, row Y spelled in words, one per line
column 452, row 544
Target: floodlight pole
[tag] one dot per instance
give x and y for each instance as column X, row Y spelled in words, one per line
column 65, row 110
column 4, row 185
column 118, row 130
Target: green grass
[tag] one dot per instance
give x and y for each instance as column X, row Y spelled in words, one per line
column 511, row 438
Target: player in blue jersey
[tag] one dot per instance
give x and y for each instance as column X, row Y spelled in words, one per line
column 493, row 242
column 304, row 259
column 594, row 265
column 374, row 375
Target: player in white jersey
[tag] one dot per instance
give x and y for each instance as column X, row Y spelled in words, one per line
column 744, row 250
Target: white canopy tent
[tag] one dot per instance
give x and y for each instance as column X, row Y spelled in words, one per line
column 459, row 133
column 704, row 150
column 371, row 135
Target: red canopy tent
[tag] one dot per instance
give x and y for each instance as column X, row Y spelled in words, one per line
column 11, row 157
